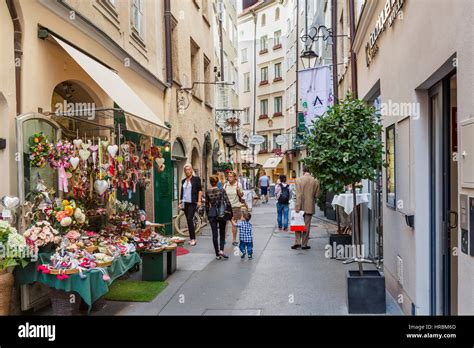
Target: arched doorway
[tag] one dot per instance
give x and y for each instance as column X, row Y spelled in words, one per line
column 74, row 105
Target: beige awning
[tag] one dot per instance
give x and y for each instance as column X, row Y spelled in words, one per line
column 272, row 162
column 138, row 116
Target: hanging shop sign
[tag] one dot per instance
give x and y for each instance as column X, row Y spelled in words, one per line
column 385, row 20
column 256, row 139
column 281, row 140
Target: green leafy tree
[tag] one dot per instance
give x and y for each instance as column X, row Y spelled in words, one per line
column 344, row 147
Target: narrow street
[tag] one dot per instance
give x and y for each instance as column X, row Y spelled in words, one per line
column 278, row 281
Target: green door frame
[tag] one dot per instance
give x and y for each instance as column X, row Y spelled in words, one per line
column 163, row 190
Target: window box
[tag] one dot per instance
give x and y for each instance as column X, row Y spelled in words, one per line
column 263, row 51
column 262, row 117
column 264, row 82
column 276, row 47
column 276, row 79
column 277, row 114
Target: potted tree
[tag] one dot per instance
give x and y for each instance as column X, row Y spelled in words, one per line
column 343, row 148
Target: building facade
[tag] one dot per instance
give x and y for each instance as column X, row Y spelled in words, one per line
column 262, row 54
column 420, row 77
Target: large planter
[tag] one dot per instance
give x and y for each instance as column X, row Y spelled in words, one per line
column 6, row 288
column 366, row 293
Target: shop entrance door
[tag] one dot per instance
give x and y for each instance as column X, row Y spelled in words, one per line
column 444, row 193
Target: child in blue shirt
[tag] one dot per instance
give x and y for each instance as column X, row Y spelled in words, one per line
column 245, row 234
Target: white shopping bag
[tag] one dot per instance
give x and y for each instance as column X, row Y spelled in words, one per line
column 297, row 221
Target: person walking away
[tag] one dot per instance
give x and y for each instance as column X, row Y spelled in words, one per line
column 245, row 234
column 214, row 197
column 264, row 183
column 234, row 192
column 190, row 199
column 283, row 195
column 307, row 191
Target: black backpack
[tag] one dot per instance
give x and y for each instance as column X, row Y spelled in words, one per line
column 284, row 197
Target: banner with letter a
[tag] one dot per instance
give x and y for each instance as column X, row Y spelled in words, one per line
column 315, row 90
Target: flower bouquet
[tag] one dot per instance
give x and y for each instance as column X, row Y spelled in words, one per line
column 41, row 236
column 69, row 216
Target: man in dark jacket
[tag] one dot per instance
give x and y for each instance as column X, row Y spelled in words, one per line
column 190, row 199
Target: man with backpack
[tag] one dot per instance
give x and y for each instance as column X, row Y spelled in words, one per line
column 283, row 195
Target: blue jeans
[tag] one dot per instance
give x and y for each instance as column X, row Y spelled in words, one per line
column 248, row 246
column 283, row 210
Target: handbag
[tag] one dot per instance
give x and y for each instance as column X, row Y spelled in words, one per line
column 223, row 212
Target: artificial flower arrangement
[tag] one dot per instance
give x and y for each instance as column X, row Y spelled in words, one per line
column 40, row 235
column 40, row 148
column 13, row 247
column 67, row 261
column 69, row 216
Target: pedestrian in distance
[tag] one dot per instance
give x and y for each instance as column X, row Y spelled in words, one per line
column 264, row 183
column 307, row 191
column 190, row 199
column 235, row 193
column 245, row 234
column 215, row 197
column 283, row 195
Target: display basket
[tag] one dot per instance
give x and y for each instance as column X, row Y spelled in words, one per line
column 104, row 264
column 69, row 271
column 91, row 249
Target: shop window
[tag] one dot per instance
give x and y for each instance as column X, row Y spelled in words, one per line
column 390, row 170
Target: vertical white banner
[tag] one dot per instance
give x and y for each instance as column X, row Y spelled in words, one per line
column 315, row 90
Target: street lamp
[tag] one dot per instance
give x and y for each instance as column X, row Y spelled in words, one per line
column 310, row 57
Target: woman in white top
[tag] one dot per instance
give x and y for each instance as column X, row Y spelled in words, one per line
column 234, row 192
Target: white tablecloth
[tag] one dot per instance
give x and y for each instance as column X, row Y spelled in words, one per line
column 345, row 200
column 248, row 197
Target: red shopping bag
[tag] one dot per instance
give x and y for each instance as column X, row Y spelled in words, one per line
column 297, row 221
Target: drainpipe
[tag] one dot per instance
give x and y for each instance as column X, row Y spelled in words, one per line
column 169, row 60
column 334, row 51
column 353, row 55
column 18, row 51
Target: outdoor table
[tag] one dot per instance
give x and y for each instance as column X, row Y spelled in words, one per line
column 90, row 288
column 346, row 201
